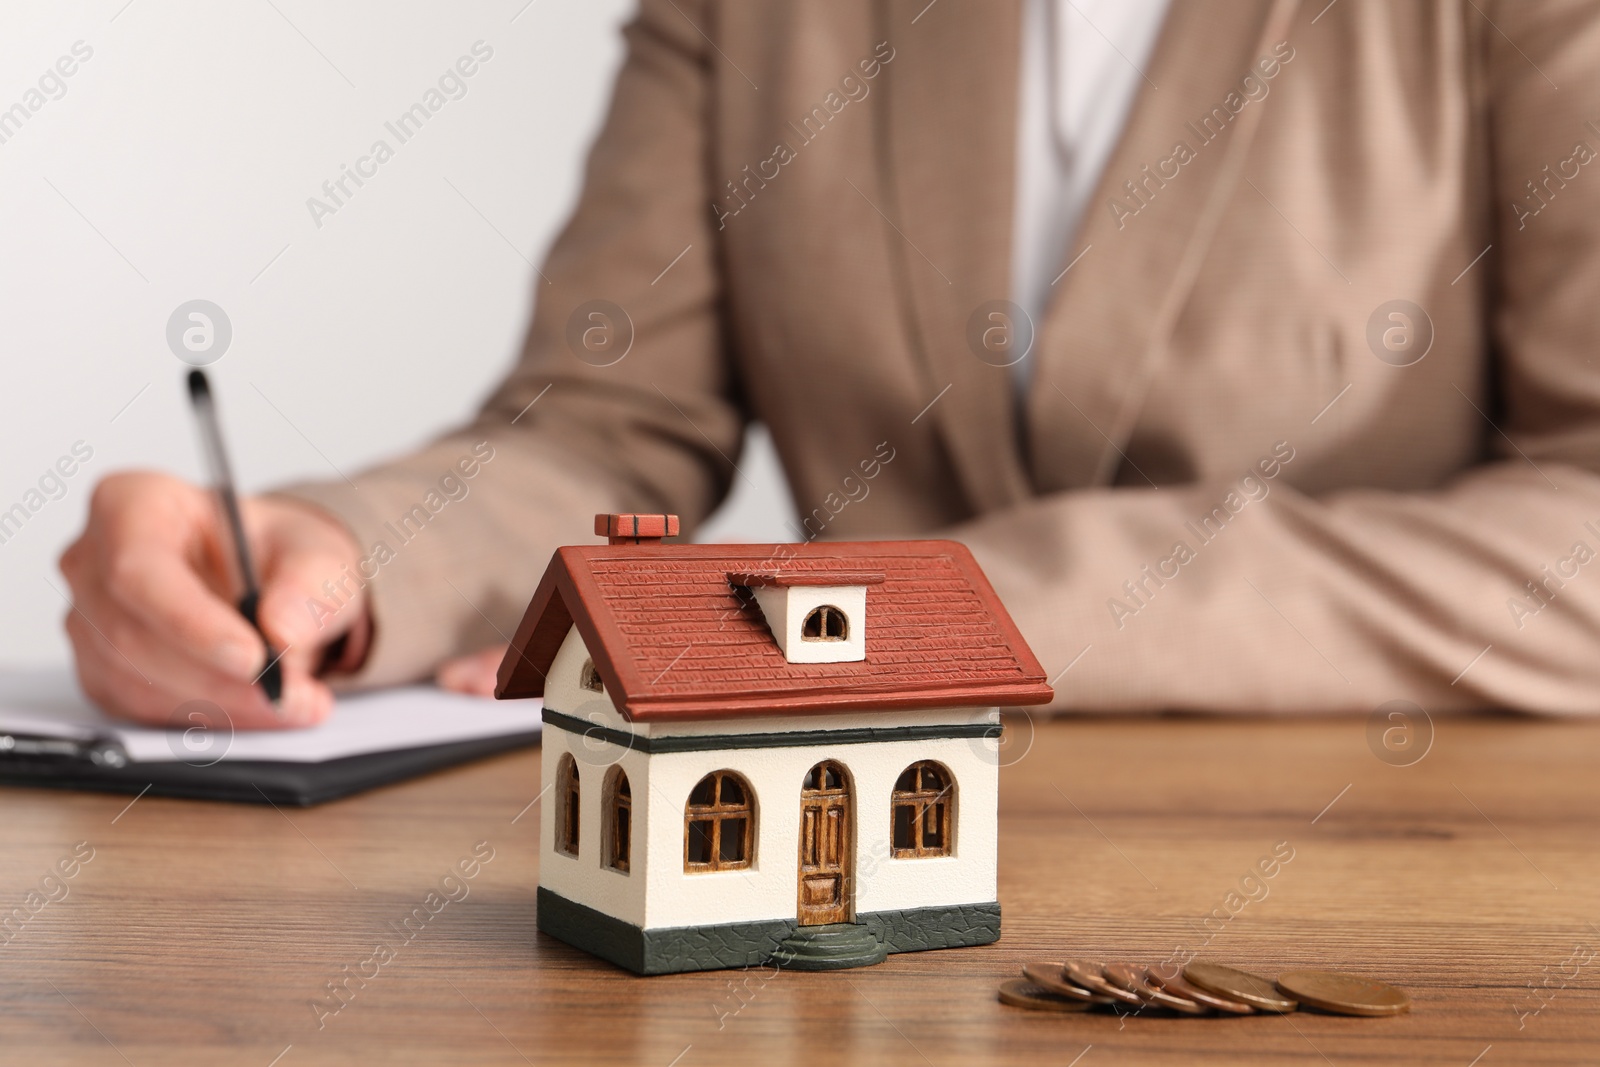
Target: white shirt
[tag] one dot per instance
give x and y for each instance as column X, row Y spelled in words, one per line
column 1081, row 69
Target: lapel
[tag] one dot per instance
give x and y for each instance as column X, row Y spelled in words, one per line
column 1106, row 327
column 947, row 154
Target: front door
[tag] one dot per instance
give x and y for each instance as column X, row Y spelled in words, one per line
column 826, row 846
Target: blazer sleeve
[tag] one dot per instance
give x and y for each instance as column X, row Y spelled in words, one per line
column 1483, row 593
column 622, row 399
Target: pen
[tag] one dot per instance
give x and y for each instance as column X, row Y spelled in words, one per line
column 205, row 410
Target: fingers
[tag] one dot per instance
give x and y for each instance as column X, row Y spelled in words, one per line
column 134, row 674
column 311, row 592
column 163, row 592
column 142, row 549
column 472, row 674
column 153, row 625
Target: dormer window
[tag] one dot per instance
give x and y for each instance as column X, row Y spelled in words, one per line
column 825, row 623
column 589, row 678
column 816, row 615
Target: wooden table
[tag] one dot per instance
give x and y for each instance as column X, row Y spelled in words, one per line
column 203, row 933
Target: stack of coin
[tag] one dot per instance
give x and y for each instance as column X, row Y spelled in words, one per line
column 1201, row 989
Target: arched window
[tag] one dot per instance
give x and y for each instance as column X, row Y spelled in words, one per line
column 589, row 678
column 719, row 824
column 826, row 623
column 924, row 795
column 567, row 805
column 619, row 821
column 825, row 777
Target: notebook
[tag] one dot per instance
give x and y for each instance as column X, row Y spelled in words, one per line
column 50, row 735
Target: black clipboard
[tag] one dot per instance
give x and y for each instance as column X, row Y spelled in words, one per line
column 250, row 781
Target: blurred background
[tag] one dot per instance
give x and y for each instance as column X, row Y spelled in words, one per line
column 175, row 163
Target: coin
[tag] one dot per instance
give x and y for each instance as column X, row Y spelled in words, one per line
column 1178, row 987
column 1134, row 981
column 1089, row 974
column 1344, row 994
column 1022, row 994
column 1252, row 989
column 1050, row 977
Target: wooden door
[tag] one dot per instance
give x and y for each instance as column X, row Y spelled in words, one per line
column 827, row 846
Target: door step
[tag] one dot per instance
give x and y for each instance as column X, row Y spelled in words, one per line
column 835, row 947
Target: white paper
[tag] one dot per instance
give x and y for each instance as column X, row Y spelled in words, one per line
column 49, row 703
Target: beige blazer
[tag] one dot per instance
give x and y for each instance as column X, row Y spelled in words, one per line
column 1314, row 415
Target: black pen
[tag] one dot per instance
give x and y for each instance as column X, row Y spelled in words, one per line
column 271, row 676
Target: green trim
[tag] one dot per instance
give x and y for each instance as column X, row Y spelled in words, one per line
column 784, row 739
column 672, row 950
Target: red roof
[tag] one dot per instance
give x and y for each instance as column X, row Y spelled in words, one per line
column 673, row 637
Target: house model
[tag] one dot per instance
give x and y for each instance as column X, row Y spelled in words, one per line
column 767, row 752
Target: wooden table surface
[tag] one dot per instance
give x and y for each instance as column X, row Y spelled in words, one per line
column 204, row 933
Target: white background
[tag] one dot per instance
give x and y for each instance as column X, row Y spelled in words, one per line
column 178, row 165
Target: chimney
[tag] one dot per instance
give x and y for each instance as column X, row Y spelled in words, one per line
column 635, row 529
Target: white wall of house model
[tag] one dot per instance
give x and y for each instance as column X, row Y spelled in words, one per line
column 656, row 892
